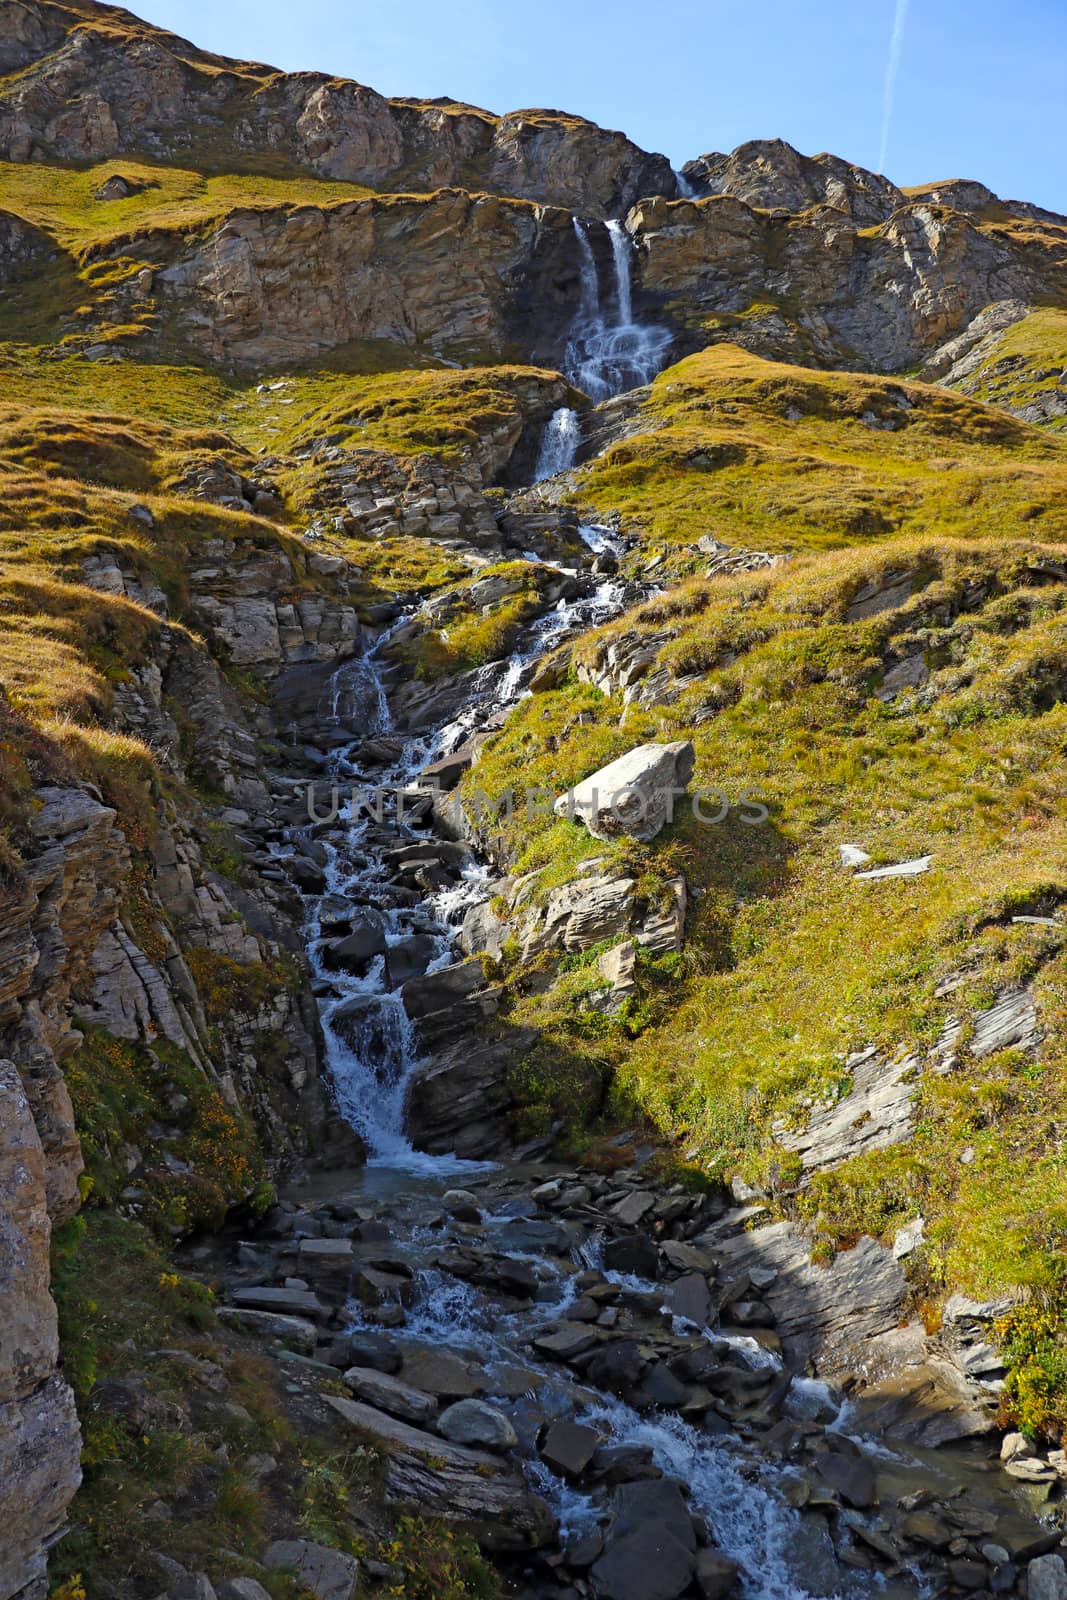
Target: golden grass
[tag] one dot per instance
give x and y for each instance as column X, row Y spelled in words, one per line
column 758, row 453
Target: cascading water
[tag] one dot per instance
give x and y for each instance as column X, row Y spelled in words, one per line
column 608, row 351
column 559, row 444
column 371, row 1045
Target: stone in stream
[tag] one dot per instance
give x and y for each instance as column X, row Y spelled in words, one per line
column 634, row 795
column 440, row 1373
column 565, row 1344
column 358, row 948
column 634, row 1253
column 851, row 1476
column 374, row 1350
column 1046, row 1578
column 650, row 1551
column 392, row 1395
column 409, row 958
column 689, row 1298
column 373, row 1286
column 569, row 1447
column 476, row 1423
column 452, row 1482
column 326, row 1574
column 462, row 1205
column 716, row 1574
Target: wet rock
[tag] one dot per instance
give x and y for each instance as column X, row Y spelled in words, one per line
column 359, row 947
column 565, row 1344
column 377, row 1286
column 462, row 1205
column 634, row 1253
column 634, row 795
column 390, row 1394
column 569, row 1447
column 618, row 1367
column 474, row 1422
column 409, row 958
column 716, row 1574
column 327, row 1574
column 689, row 1298
column 650, row 1549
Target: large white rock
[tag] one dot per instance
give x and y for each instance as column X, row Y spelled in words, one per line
column 635, row 795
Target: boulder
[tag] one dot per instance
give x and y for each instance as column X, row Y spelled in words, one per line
column 440, row 1373
column 476, row 1423
column 688, row 1297
column 327, row 1574
column 634, row 1253
column 295, row 1333
column 453, row 1482
column 289, row 1302
column 390, row 1394
column 1046, row 1578
column 569, row 1447
column 650, row 1551
column 634, row 795
column 359, row 947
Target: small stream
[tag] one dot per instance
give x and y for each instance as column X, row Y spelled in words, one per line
column 373, row 1053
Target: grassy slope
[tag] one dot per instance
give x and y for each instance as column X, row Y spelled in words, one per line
column 762, row 454
column 1028, row 360
column 791, row 963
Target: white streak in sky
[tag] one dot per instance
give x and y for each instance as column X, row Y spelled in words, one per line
column 889, row 93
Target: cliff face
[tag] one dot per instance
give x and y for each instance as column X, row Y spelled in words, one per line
column 78, row 98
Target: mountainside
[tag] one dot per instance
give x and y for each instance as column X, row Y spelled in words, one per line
column 397, row 446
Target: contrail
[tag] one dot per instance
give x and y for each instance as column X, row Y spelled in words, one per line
column 889, row 92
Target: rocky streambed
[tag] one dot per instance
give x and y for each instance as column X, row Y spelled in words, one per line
column 583, row 1368
column 621, row 1387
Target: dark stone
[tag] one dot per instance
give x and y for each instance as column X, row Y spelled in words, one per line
column 569, row 1447
column 633, row 1253
column 617, row 1367
column 852, row 1477
column 660, row 1387
column 374, row 1350
column 717, row 1575
column 360, row 946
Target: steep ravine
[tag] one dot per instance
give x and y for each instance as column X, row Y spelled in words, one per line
column 640, row 1397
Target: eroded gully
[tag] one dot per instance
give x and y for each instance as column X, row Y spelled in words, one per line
column 624, row 1385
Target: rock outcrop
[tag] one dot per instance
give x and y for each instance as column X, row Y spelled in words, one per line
column 40, row 1442
column 77, row 97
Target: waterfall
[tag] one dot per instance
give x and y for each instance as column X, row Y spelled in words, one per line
column 559, row 445
column 608, row 351
column 685, row 188
column 620, row 252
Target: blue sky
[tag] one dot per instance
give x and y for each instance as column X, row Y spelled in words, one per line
column 980, row 86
